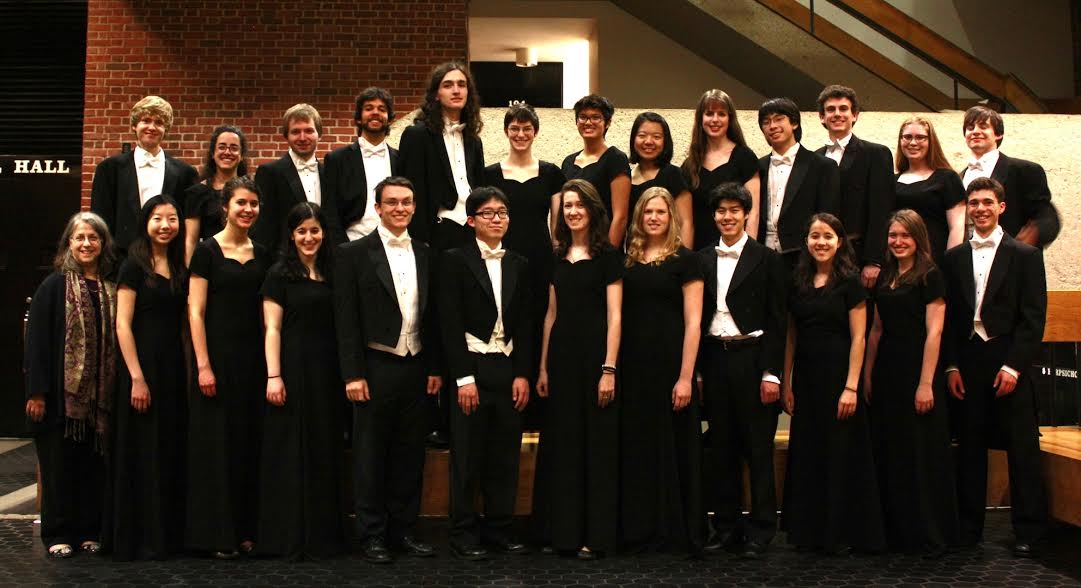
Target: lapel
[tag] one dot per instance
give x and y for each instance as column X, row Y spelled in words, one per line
column 709, row 274
column 851, row 154
column 444, row 157
column 476, row 265
column 128, row 182
column 750, row 257
column 393, row 160
column 968, row 281
column 1002, row 168
column 292, row 176
column 800, row 167
column 378, row 256
column 168, row 185
column 420, row 252
column 470, row 161
column 355, row 157
column 1000, row 266
column 509, row 272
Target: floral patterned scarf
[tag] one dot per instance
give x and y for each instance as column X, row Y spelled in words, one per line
column 89, row 359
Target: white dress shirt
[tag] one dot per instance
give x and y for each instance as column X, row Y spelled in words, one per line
column 376, row 160
column 403, row 270
column 723, row 326
column 452, row 139
column 309, row 177
column 150, row 172
column 779, row 170
column 835, row 149
column 980, row 168
column 493, row 262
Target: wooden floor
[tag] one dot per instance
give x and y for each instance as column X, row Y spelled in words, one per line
column 1062, row 466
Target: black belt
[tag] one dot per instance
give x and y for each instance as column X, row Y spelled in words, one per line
column 733, row 344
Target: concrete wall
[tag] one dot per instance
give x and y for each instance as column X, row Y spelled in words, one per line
column 1026, row 137
column 635, row 66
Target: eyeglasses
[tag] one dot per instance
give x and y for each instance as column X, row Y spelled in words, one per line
column 489, row 214
column 396, row 203
column 914, row 138
column 595, row 118
column 91, row 239
column 228, row 148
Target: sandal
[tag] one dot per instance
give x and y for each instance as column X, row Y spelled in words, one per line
column 60, row 551
column 90, row 546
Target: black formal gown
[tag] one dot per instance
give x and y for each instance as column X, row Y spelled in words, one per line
column 301, row 476
column 931, row 198
column 609, row 166
column 528, row 234
column 576, row 498
column 912, row 451
column 148, row 457
column 669, row 177
column 224, row 430
column 831, row 495
column 204, row 203
column 741, row 166
column 660, row 448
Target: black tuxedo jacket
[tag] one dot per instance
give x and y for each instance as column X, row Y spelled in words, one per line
column 1014, row 305
column 425, row 162
column 467, row 305
column 757, row 298
column 867, row 196
column 281, row 189
column 1027, row 198
column 366, row 305
column 345, row 192
column 813, row 187
column 115, row 193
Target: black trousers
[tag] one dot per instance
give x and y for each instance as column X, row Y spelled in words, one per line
column 1009, row 423
column 446, row 234
column 740, row 428
column 484, row 451
column 72, row 488
column 388, row 446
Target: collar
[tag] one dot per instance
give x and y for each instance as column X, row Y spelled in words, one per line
column 791, row 153
column 988, row 160
column 995, row 237
column 385, row 235
column 737, row 247
column 841, row 143
column 484, row 248
column 299, row 163
column 142, row 156
column 364, row 144
column 450, row 127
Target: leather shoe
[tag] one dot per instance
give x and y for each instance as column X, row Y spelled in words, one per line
column 509, row 546
column 414, row 547
column 468, row 552
column 437, row 440
column 586, row 554
column 726, row 542
column 375, row 551
column 1026, row 550
column 753, row 549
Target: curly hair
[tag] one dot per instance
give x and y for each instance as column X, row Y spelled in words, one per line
column 598, row 219
column 636, row 242
column 431, row 111
column 210, row 167
column 65, row 261
column 844, row 262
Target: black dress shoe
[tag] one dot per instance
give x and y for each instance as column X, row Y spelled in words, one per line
column 753, row 549
column 414, row 547
column 468, row 552
column 437, row 440
column 510, row 546
column 586, row 554
column 375, row 551
column 726, row 542
column 1026, row 550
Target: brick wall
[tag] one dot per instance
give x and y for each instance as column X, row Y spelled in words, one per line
column 247, row 62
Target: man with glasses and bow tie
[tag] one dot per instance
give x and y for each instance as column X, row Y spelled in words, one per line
column 389, row 357
column 353, row 171
column 484, row 303
column 1029, row 217
column 741, row 361
column 796, row 182
column 996, row 306
column 123, row 183
column 294, row 178
column 867, row 196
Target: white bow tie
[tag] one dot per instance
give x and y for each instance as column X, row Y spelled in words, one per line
column 981, row 243
column 492, row 253
column 402, row 241
column 780, row 160
column 975, row 165
column 453, row 127
column 152, row 160
column 308, row 166
column 380, row 151
column 831, row 145
column 725, row 252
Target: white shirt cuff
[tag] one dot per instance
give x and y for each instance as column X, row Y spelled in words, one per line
column 1011, row 371
column 465, row 381
column 768, row 377
column 952, row 368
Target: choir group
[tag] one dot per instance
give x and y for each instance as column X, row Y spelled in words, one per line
column 209, row 343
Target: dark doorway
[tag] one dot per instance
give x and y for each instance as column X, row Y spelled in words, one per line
column 499, row 82
column 42, row 71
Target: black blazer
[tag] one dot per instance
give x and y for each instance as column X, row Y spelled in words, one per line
column 425, row 162
column 345, row 191
column 467, row 305
column 867, row 196
column 115, row 193
column 1014, row 305
column 813, row 186
column 281, row 189
column 366, row 305
column 1027, row 198
column 757, row 298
